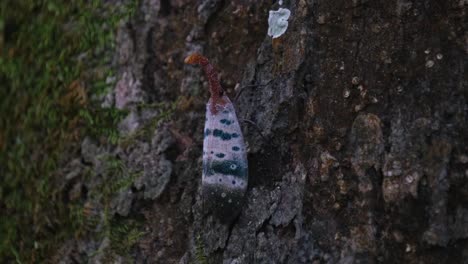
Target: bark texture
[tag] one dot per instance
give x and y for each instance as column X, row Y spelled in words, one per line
column 357, row 131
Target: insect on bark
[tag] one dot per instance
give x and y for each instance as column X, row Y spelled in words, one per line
column 225, row 170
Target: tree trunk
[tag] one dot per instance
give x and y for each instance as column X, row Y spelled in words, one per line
column 356, row 131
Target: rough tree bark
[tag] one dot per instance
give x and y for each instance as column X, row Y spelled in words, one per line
column 362, row 109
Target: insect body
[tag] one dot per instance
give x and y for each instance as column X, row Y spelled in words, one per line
column 225, row 173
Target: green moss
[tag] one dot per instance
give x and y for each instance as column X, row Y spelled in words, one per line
column 116, row 177
column 123, row 233
column 200, row 251
column 165, row 112
column 49, row 50
column 102, row 122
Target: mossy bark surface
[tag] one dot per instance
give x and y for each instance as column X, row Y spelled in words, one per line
column 357, row 132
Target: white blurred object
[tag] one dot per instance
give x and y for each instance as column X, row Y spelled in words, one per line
column 278, row 22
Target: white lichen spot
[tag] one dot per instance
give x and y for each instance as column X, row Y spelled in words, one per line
column 358, row 108
column 439, row 56
column 229, row 201
column 237, row 87
column 363, row 93
column 408, row 248
column 355, row 80
column 409, row 179
column 278, row 22
column 223, row 195
column 346, row 93
column 397, row 167
column 399, row 88
column 429, row 63
column 463, row 159
column 427, row 51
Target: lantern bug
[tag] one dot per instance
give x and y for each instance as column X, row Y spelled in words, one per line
column 225, row 169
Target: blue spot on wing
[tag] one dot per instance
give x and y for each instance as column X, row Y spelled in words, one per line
column 226, row 167
column 221, row 134
column 220, row 155
column 217, row 133
column 226, row 136
column 235, row 148
column 226, row 122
